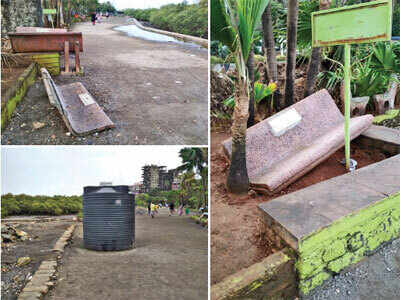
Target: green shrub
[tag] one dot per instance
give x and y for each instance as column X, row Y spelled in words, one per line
column 39, row 205
column 181, row 18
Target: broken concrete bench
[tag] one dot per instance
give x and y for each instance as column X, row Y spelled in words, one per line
column 80, row 112
column 284, row 147
column 339, row 221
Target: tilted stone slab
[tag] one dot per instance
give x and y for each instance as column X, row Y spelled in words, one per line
column 382, row 138
column 273, row 162
column 339, row 221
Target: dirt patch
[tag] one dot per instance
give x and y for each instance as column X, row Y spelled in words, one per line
column 169, row 262
column 42, row 236
column 238, row 236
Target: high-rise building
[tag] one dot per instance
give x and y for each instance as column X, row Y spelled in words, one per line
column 158, row 177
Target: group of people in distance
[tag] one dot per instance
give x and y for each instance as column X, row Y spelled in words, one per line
column 152, row 209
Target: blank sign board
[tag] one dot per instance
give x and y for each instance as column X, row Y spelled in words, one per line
column 355, row 24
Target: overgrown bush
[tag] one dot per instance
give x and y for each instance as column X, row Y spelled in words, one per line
column 39, row 205
column 181, row 18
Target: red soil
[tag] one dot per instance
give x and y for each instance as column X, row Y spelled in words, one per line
column 239, row 238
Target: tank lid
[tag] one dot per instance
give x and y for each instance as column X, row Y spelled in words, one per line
column 106, row 189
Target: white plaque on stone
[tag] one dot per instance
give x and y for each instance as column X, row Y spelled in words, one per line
column 86, row 99
column 283, row 121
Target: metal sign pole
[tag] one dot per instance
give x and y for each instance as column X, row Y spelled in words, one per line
column 347, row 100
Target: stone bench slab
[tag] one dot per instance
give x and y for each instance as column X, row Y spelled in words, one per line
column 299, row 214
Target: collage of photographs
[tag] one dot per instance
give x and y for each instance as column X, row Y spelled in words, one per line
column 200, row 149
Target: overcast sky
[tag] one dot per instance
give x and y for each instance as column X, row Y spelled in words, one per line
column 62, row 170
column 122, row 4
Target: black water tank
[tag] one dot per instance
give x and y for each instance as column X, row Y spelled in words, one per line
column 108, row 218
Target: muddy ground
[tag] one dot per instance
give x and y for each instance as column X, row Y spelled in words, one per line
column 169, row 262
column 42, row 238
column 154, row 92
column 238, row 237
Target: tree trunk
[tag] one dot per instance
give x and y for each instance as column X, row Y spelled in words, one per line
column 270, row 54
column 269, row 44
column 238, row 180
column 61, row 9
column 69, row 17
column 203, row 190
column 250, row 68
column 292, row 16
column 312, row 71
column 315, row 60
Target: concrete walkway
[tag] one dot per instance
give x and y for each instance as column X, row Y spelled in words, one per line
column 169, row 262
column 154, row 92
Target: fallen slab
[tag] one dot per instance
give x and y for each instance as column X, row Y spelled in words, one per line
column 79, row 110
column 338, row 222
column 284, row 147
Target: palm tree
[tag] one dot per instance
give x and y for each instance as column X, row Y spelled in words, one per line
column 187, row 182
column 235, row 27
column 270, row 52
column 292, row 16
column 196, row 159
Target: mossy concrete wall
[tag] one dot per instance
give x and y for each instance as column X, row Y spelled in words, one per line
column 348, row 240
column 50, row 61
column 272, row 278
column 17, row 92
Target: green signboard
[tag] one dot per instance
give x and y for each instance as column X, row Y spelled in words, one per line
column 355, row 24
column 49, row 11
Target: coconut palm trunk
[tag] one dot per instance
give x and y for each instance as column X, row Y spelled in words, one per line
column 315, row 60
column 292, row 17
column 270, row 53
column 238, row 180
column 250, row 68
column 269, row 44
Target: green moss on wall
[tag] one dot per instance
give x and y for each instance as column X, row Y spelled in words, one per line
column 347, row 241
column 17, row 92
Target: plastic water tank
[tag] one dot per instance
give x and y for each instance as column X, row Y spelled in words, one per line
column 108, row 218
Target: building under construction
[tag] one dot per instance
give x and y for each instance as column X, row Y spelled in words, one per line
column 158, row 177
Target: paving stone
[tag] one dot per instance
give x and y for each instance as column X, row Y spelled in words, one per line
column 301, row 213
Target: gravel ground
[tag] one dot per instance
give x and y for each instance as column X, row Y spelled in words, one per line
column 169, row 262
column 42, row 238
column 375, row 278
column 154, row 92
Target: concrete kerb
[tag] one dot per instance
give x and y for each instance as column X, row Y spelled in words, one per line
column 187, row 38
column 16, row 93
column 272, row 278
column 41, row 281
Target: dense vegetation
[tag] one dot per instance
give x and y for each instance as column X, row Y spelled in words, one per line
column 182, row 18
column 39, row 205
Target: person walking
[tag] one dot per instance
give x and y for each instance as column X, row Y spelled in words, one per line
column 171, row 208
column 149, row 208
column 93, row 18
column 180, row 209
column 153, row 210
